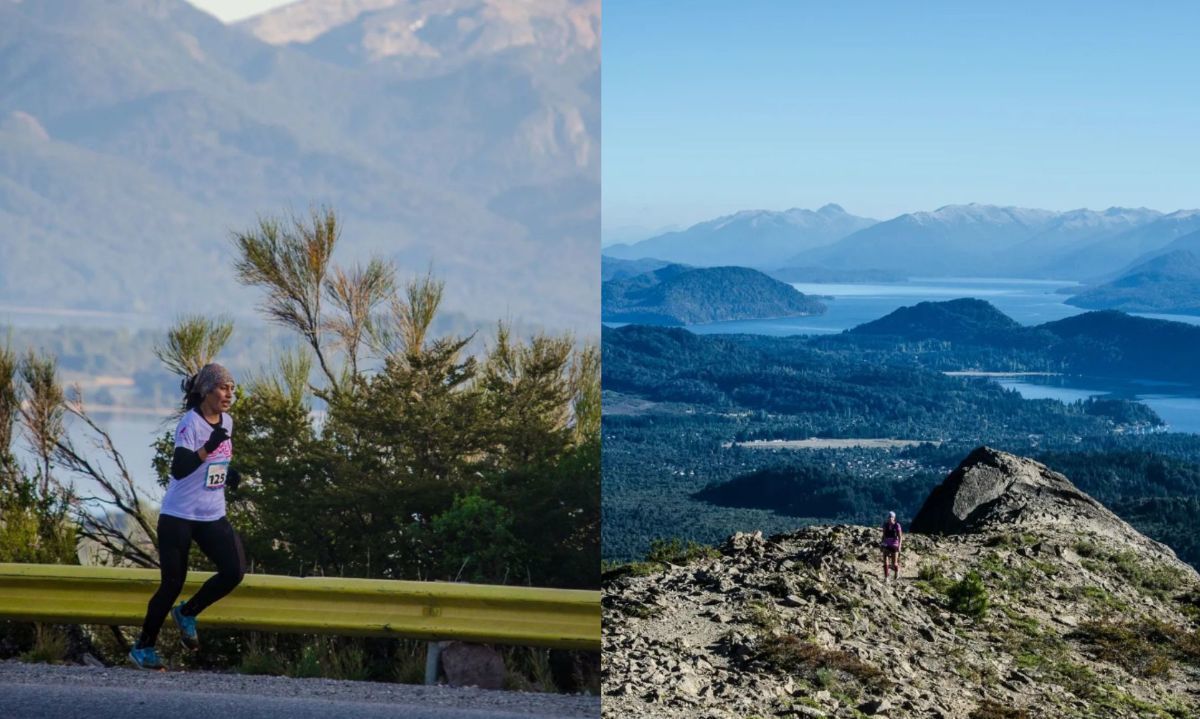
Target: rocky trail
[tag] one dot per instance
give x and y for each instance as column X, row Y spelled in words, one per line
column 1020, row 596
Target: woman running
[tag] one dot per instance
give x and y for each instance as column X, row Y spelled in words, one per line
column 193, row 509
column 893, row 537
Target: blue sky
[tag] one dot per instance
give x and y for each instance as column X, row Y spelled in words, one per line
column 885, row 107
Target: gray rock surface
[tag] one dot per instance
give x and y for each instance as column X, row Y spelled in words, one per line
column 997, row 491
column 1085, row 617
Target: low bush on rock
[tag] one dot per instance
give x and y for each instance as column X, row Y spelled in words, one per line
column 812, row 663
column 1146, row 648
column 969, row 596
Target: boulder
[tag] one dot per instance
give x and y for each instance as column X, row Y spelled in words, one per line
column 472, row 665
column 996, row 491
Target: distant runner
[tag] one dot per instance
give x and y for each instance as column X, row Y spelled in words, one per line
column 194, row 509
column 893, row 536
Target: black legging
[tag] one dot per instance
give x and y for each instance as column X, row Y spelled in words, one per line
column 219, row 543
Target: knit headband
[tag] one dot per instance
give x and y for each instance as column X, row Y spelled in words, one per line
column 209, row 377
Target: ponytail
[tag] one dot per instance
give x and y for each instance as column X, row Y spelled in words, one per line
column 191, row 398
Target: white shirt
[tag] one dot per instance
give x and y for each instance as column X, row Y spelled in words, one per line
column 200, row 496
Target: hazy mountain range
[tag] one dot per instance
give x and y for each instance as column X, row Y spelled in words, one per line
column 961, row 240
column 136, row 134
column 1168, row 282
column 754, row 238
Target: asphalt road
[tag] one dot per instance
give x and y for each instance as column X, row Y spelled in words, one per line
column 41, row 691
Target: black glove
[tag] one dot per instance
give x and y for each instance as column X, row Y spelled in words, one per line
column 232, row 479
column 218, row 436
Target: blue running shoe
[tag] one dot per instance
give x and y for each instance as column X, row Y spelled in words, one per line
column 187, row 627
column 145, row 658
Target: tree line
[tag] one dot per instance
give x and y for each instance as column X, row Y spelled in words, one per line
column 372, row 448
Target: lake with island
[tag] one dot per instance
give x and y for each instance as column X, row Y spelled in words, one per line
column 1177, row 405
column 1028, row 301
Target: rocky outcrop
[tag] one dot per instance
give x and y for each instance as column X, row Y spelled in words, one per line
column 1034, row 602
column 994, row 491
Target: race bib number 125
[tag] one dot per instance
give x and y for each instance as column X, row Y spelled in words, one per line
column 215, row 479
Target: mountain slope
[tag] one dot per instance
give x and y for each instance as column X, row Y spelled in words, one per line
column 1189, row 242
column 987, row 240
column 1083, row 616
column 1106, row 257
column 678, row 294
column 1041, row 255
column 1166, row 283
column 172, row 130
column 753, row 238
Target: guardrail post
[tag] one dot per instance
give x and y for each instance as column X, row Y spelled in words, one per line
column 433, row 653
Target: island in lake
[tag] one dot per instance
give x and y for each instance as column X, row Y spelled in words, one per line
column 684, row 295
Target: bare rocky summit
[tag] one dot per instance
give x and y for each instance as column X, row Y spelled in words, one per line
column 1026, row 598
column 994, row 491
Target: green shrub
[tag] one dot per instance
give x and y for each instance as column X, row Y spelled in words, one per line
column 257, row 661
column 308, row 665
column 817, row 664
column 527, row 669
column 475, row 542
column 932, row 575
column 410, row 670
column 663, row 552
column 49, row 645
column 346, row 660
column 1146, row 649
column 764, row 617
column 969, row 596
column 674, row 551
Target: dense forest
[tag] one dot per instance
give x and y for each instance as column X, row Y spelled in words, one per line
column 682, row 413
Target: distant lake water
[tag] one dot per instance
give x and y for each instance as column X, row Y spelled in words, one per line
column 1180, row 408
column 1030, row 302
column 132, row 435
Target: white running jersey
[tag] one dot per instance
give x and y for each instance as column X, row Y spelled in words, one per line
column 200, row 496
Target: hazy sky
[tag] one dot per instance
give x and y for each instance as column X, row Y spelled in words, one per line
column 233, row 10
column 711, row 107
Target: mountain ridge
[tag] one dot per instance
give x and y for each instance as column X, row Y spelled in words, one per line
column 963, row 239
column 1168, row 282
column 1042, row 610
column 483, row 167
column 753, row 238
column 972, row 239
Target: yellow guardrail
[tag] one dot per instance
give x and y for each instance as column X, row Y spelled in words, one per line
column 528, row 616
